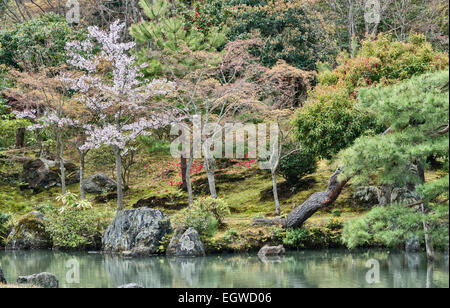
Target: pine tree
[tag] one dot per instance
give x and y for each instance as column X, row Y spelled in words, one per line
column 171, row 41
column 416, row 113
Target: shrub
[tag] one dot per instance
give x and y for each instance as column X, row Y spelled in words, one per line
column 218, row 207
column 41, row 41
column 77, row 229
column 313, row 237
column 329, row 122
column 296, row 238
column 204, row 216
column 71, row 201
column 297, row 165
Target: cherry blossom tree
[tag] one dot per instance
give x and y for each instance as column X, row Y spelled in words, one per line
column 112, row 89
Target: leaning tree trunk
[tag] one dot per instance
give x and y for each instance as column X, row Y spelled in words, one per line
column 118, row 178
column 314, row 203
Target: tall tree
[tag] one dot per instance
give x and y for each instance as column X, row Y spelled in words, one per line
column 417, row 113
column 113, row 90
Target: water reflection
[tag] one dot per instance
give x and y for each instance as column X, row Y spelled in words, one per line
column 333, row 268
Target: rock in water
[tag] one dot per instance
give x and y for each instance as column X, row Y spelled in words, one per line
column 43, row 174
column 2, row 277
column 271, row 251
column 99, row 184
column 44, row 280
column 29, row 233
column 130, row 286
column 412, row 244
column 188, row 245
column 136, row 232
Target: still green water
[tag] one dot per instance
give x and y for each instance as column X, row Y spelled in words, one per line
column 311, row 269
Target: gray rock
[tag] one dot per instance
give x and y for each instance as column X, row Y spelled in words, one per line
column 172, row 248
column 44, row 174
column 44, row 280
column 130, row 286
column 188, row 245
column 271, row 251
column 404, row 196
column 367, row 196
column 136, row 232
column 412, row 244
column 99, row 184
column 2, row 277
column 29, row 233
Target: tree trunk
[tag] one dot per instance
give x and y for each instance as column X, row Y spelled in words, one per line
column 426, row 226
column 20, row 138
column 314, row 203
column 61, row 163
column 210, row 170
column 183, row 161
column 428, row 237
column 188, row 177
column 275, row 193
column 118, row 178
column 82, row 163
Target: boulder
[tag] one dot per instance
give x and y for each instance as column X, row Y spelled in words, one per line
column 29, row 233
column 44, row 174
column 412, row 244
column 271, row 251
column 186, row 245
column 404, row 195
column 99, row 184
column 136, row 232
column 44, row 280
column 367, row 196
column 2, row 277
column 172, row 248
column 130, row 286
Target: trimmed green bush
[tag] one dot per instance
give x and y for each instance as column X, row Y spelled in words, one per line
column 297, row 165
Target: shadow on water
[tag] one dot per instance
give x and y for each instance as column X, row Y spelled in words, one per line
column 332, row 268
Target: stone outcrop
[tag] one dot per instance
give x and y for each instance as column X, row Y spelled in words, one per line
column 99, row 184
column 29, row 233
column 268, row 251
column 44, row 280
column 367, row 196
column 44, row 174
column 136, row 232
column 172, row 248
column 186, row 245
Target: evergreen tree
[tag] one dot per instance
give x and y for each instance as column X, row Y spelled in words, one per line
column 170, row 40
column 416, row 112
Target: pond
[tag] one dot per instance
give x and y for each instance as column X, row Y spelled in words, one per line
column 311, row 269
